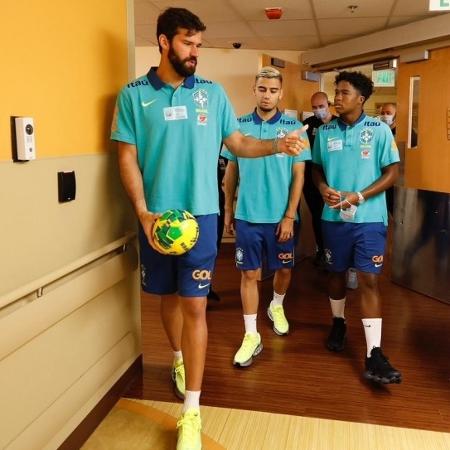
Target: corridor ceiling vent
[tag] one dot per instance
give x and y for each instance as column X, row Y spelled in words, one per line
column 273, row 13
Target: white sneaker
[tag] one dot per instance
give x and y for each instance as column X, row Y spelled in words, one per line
column 352, row 278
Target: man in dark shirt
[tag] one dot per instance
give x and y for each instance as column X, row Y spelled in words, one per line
column 388, row 115
column 221, row 166
column 320, row 106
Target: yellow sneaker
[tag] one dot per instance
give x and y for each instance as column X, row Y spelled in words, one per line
column 251, row 346
column 178, row 379
column 280, row 323
column 189, row 430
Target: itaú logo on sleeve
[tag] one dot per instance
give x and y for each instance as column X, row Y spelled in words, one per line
column 201, row 274
column 286, row 256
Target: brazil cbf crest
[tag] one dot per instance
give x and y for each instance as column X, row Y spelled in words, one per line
column 366, row 136
column 239, row 255
column 201, row 98
column 281, row 133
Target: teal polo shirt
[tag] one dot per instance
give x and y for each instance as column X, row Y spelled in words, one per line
column 352, row 158
column 178, row 135
column 264, row 183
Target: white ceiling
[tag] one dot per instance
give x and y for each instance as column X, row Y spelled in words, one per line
column 305, row 24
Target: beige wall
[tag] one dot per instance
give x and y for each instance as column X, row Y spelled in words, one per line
column 40, row 235
column 61, row 352
column 64, row 340
column 234, row 69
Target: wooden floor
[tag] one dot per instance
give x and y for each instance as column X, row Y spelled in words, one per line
column 295, row 374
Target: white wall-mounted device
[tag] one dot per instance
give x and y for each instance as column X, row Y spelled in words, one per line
column 25, row 140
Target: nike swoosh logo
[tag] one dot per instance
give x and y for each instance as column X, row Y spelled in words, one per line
column 145, row 104
column 378, row 265
column 202, row 286
column 286, row 262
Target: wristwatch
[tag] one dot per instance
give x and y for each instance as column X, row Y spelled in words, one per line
column 361, row 198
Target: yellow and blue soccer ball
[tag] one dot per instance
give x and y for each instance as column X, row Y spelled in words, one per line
column 175, row 232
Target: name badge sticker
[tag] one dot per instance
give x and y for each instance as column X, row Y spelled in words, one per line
column 175, row 113
column 334, row 145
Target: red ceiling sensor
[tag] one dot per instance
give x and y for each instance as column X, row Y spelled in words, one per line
column 273, row 13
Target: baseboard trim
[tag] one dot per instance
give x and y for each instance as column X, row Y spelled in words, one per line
column 82, row 432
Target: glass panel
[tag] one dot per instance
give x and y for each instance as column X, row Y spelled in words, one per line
column 413, row 113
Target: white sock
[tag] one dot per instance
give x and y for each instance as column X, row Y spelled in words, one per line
column 277, row 299
column 372, row 330
column 250, row 323
column 177, row 355
column 338, row 307
column 191, row 400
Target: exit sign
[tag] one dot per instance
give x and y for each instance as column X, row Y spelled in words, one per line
column 439, row 5
column 383, row 78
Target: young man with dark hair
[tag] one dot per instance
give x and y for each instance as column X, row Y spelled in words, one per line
column 269, row 192
column 355, row 160
column 170, row 125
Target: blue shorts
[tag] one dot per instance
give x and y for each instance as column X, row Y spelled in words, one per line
column 255, row 239
column 189, row 274
column 358, row 245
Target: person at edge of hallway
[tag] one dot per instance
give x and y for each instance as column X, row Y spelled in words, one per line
column 266, row 213
column 355, row 160
column 212, row 294
column 322, row 114
column 388, row 114
column 170, row 124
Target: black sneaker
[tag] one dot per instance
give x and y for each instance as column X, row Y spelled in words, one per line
column 379, row 369
column 336, row 338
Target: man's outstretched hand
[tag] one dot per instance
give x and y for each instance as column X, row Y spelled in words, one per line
column 294, row 142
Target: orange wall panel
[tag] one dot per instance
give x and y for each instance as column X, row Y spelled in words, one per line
column 62, row 64
column 427, row 166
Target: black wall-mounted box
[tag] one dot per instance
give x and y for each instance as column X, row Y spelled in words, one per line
column 277, row 62
column 67, row 186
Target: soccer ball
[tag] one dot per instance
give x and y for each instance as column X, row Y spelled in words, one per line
column 175, row 232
